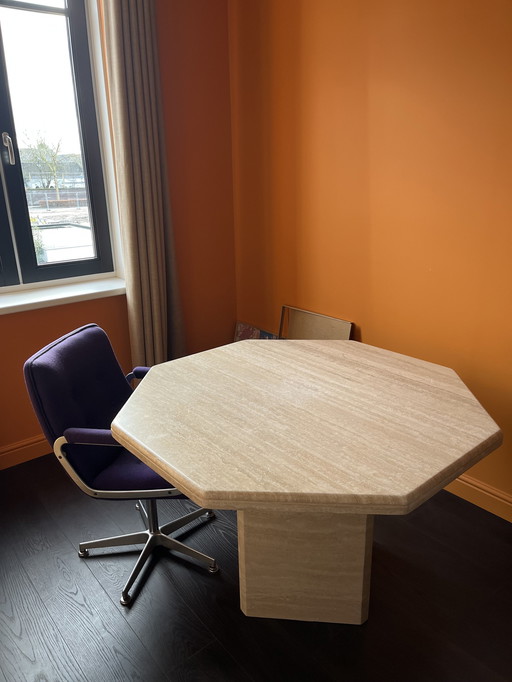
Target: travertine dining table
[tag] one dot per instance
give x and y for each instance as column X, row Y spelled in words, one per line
column 307, row 440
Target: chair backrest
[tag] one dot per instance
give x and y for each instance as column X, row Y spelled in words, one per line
column 304, row 324
column 76, row 381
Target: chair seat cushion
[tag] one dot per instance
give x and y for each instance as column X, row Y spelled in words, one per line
column 127, row 472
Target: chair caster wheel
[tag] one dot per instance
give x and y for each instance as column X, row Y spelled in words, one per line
column 83, row 553
column 125, row 601
column 210, row 514
column 213, row 568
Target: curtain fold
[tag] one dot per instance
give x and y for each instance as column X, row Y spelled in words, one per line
column 142, row 187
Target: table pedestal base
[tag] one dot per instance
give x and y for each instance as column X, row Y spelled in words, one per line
column 305, row 566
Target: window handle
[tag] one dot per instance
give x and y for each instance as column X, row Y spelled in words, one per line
column 6, row 139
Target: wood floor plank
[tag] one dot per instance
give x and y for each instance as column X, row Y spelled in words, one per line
column 95, row 632
column 440, row 601
column 31, row 644
column 211, row 663
column 263, row 648
column 159, row 615
column 171, row 640
column 482, row 539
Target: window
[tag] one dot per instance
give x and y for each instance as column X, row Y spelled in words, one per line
column 53, row 212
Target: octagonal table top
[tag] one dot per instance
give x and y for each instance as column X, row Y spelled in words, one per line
column 306, row 425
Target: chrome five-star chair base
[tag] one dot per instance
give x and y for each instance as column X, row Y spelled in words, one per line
column 154, row 536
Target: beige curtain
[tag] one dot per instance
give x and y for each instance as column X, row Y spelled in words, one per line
column 139, row 155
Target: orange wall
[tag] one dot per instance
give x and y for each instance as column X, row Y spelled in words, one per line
column 372, row 153
column 347, row 156
column 194, row 62
column 22, row 335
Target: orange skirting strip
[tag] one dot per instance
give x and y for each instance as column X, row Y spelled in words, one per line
column 483, row 495
column 23, row 450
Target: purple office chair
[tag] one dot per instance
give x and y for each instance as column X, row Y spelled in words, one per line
column 77, row 387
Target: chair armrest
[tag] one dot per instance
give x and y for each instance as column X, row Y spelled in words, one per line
column 140, row 372
column 137, row 373
column 90, row 436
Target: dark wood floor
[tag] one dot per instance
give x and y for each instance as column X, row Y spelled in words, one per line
column 441, row 604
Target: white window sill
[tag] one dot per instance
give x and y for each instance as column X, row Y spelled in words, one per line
column 44, row 297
